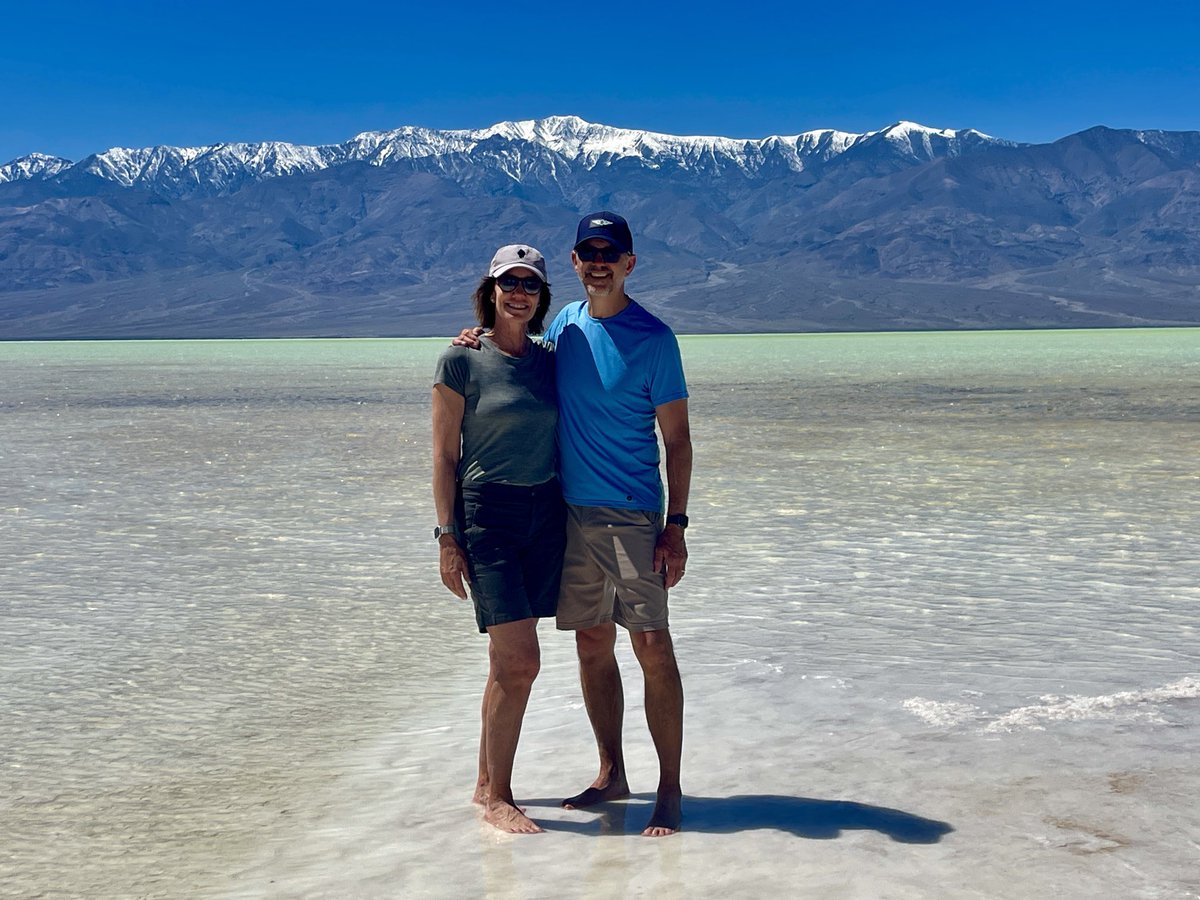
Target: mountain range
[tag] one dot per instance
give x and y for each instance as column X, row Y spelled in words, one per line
column 908, row 227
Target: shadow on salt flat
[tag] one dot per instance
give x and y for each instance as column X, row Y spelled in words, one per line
column 802, row 816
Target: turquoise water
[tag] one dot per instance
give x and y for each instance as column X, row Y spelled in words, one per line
column 948, row 574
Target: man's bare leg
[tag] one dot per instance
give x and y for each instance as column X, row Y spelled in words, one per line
column 664, row 714
column 481, row 780
column 515, row 661
column 605, row 701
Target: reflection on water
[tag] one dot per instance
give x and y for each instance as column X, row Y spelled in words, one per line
column 229, row 665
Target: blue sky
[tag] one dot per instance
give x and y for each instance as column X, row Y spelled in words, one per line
column 77, row 78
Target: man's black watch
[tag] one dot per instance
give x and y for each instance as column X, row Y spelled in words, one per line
column 678, row 519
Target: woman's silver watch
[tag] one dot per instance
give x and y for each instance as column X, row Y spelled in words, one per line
column 445, row 529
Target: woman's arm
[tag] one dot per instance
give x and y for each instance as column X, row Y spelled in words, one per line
column 447, row 448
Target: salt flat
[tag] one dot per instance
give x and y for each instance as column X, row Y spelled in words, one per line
column 938, row 634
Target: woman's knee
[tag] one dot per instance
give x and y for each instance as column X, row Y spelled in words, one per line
column 514, row 653
column 515, row 669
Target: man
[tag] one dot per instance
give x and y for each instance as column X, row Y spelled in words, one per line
column 619, row 374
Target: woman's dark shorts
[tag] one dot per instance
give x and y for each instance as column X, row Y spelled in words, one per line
column 514, row 536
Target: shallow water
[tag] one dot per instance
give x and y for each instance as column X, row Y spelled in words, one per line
column 938, row 633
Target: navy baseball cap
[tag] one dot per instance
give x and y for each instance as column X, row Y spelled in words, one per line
column 607, row 226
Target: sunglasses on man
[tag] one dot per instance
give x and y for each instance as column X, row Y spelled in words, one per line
column 531, row 284
column 591, row 254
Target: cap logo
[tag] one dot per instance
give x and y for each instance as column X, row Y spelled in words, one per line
column 521, row 254
column 599, row 223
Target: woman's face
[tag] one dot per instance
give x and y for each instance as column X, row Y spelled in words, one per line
column 517, row 305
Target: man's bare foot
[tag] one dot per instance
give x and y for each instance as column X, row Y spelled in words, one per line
column 667, row 815
column 599, row 792
column 508, row 818
column 482, row 793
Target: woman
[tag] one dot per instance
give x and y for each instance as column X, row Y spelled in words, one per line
column 501, row 513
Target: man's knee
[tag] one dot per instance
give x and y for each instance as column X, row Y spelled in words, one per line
column 655, row 651
column 596, row 644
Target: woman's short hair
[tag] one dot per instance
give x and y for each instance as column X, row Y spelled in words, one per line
column 485, row 305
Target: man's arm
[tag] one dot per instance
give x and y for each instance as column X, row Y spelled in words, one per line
column 670, row 555
column 469, row 338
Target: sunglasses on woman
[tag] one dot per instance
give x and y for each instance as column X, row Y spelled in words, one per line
column 591, row 254
column 508, row 283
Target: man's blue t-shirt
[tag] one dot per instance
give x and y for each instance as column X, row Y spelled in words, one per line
column 612, row 373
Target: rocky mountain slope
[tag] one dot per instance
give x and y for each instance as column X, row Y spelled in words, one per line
column 906, row 227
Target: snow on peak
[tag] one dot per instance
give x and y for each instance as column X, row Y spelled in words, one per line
column 907, row 129
column 225, row 167
column 924, row 143
column 215, row 167
column 592, row 144
column 34, row 165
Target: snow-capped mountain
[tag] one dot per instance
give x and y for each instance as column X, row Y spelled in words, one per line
column 590, row 145
column 35, row 165
column 904, row 227
column 518, row 149
column 218, row 169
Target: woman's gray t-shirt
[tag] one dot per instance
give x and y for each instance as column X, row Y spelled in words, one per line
column 510, row 412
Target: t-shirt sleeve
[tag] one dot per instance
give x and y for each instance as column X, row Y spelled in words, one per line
column 551, row 334
column 666, row 373
column 453, row 370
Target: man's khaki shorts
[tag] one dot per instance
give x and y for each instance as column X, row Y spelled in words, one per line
column 608, row 570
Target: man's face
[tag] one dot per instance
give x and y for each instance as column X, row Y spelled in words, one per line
column 602, row 279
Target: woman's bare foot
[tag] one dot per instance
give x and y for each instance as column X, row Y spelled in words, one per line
column 667, row 815
column 509, row 818
column 600, row 792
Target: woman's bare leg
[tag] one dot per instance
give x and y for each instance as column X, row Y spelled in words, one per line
column 515, row 661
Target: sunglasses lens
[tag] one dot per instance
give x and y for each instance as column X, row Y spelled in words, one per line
column 591, row 254
column 508, row 284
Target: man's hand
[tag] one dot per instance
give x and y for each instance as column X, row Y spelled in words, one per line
column 468, row 337
column 670, row 555
column 453, row 566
